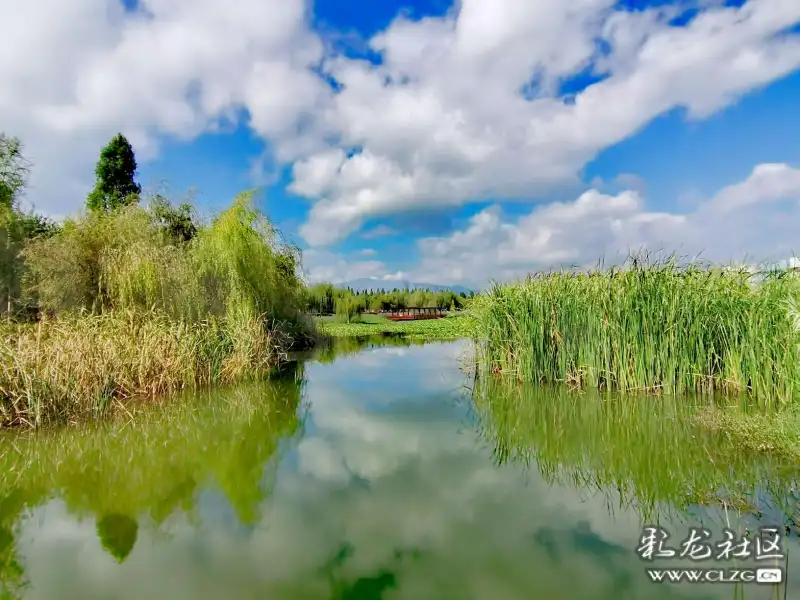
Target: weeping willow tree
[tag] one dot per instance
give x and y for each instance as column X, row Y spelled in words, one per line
column 16, row 226
column 237, row 267
column 142, row 311
column 244, row 267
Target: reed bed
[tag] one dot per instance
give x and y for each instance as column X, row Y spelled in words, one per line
column 650, row 325
column 138, row 313
column 72, row 368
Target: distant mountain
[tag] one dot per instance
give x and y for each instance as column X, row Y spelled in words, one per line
column 364, row 284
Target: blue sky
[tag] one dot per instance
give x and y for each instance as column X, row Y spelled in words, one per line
column 435, row 142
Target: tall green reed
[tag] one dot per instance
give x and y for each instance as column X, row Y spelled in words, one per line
column 649, row 326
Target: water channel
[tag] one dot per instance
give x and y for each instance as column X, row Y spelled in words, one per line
column 383, row 469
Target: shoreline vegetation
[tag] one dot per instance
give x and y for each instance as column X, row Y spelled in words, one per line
column 140, row 298
column 652, row 326
column 451, row 327
column 141, row 313
column 726, row 338
column 136, row 297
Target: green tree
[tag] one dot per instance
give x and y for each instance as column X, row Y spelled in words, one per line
column 349, row 307
column 13, row 170
column 16, row 227
column 376, row 304
column 180, row 222
column 115, row 186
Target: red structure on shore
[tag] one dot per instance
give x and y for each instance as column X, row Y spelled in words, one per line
column 413, row 313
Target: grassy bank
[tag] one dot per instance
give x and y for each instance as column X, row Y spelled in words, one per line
column 650, row 326
column 448, row 328
column 140, row 310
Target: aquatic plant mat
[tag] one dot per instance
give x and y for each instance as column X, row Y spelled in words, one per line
column 447, row 328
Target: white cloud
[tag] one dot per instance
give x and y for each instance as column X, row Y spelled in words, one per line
column 175, row 68
column 379, row 231
column 442, row 121
column 753, row 219
column 326, row 266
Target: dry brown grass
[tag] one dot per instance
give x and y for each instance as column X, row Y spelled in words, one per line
column 74, row 367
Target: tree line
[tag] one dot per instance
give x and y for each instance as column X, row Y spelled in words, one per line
column 50, row 266
column 137, row 297
column 127, row 247
column 327, row 299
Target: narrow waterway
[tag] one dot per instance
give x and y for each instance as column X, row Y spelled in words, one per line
column 383, row 469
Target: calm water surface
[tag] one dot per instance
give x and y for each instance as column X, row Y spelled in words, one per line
column 382, row 471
